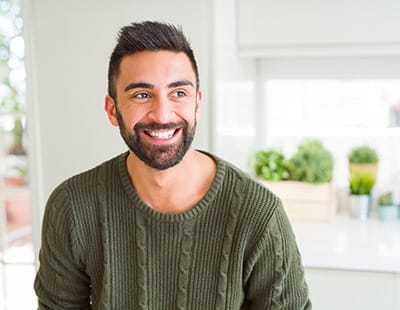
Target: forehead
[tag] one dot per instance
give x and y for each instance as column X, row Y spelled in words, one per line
column 155, row 67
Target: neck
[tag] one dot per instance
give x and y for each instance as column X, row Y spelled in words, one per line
column 176, row 189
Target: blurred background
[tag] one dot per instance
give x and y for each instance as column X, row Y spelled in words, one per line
column 305, row 97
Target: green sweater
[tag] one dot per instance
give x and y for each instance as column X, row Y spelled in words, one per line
column 103, row 248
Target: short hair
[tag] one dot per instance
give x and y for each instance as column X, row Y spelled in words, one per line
column 147, row 36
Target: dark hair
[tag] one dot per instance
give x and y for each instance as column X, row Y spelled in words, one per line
column 147, row 36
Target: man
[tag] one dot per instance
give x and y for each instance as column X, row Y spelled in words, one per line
column 164, row 226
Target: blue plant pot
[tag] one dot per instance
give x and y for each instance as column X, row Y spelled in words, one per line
column 387, row 213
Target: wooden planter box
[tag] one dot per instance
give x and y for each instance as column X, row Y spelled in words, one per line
column 305, row 201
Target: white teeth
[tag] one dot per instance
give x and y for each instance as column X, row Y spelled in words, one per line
column 161, row 134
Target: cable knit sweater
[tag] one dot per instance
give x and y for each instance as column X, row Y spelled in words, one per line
column 103, row 248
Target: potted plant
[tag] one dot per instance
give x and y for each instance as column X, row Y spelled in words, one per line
column 387, row 209
column 361, row 184
column 363, row 158
column 271, row 165
column 303, row 182
column 17, row 147
column 311, row 163
column 15, row 160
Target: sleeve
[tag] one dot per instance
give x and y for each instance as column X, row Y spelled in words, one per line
column 275, row 274
column 61, row 281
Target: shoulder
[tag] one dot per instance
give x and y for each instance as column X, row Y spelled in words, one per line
column 255, row 197
column 81, row 190
column 255, row 204
column 87, row 181
column 262, row 222
column 85, row 184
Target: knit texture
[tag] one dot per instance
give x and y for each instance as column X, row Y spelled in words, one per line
column 104, row 248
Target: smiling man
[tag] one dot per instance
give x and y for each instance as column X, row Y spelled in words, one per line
column 164, row 226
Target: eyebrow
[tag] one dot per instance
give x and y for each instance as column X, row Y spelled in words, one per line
column 134, row 85
column 180, row 83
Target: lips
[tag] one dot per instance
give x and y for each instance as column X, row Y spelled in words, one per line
column 160, row 134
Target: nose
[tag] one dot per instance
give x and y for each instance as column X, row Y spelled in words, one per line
column 161, row 110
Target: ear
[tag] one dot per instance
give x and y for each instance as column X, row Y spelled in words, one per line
column 111, row 110
column 198, row 101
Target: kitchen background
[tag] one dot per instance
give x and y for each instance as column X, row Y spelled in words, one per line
column 273, row 74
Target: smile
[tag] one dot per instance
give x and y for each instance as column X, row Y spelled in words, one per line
column 161, row 134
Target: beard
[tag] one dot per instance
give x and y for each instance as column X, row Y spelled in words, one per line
column 159, row 157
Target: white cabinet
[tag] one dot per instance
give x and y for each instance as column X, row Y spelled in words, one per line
column 397, row 292
column 318, row 27
column 348, row 290
column 351, row 264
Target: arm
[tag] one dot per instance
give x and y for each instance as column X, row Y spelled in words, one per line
column 275, row 275
column 61, row 281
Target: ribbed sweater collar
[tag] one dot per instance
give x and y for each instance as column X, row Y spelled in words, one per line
column 204, row 203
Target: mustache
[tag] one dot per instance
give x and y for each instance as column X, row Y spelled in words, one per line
column 158, row 126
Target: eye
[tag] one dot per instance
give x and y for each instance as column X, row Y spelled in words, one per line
column 179, row 93
column 141, row 96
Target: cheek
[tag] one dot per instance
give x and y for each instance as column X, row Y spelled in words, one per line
column 189, row 112
column 132, row 116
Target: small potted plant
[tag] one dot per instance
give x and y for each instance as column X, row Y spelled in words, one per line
column 271, row 165
column 15, row 161
column 311, row 163
column 361, row 184
column 363, row 158
column 387, row 209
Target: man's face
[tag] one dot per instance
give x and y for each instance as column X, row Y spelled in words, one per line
column 157, row 105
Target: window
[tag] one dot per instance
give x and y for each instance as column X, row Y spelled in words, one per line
column 235, row 120
column 343, row 101
column 341, row 113
column 330, row 107
column 16, row 249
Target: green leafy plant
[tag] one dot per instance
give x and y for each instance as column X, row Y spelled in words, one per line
column 17, row 147
column 363, row 154
column 361, row 183
column 271, row 165
column 385, row 199
column 311, row 163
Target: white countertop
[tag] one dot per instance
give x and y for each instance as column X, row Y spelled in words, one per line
column 350, row 244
